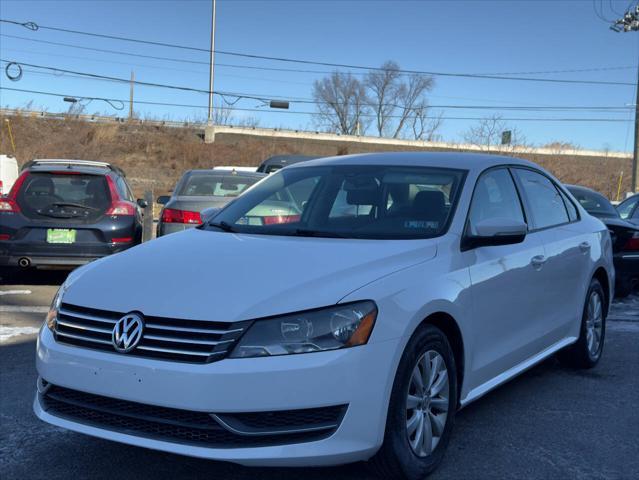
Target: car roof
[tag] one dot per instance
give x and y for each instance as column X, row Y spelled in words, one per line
column 226, row 173
column 465, row 161
column 583, row 189
column 288, row 159
column 80, row 166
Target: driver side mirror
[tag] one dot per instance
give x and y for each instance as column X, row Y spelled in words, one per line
column 163, row 199
column 142, row 203
column 494, row 232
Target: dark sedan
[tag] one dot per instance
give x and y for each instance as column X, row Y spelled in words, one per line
column 629, row 209
column 199, row 190
column 625, row 237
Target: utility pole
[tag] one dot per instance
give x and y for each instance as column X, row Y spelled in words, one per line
column 212, row 66
column 131, row 96
column 630, row 23
column 635, row 154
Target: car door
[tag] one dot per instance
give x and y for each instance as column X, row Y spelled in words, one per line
column 567, row 255
column 507, row 283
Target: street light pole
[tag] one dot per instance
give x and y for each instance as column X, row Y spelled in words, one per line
column 212, row 66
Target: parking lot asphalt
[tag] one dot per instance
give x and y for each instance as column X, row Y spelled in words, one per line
column 551, row 422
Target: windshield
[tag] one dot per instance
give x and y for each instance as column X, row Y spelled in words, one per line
column 350, row 201
column 215, row 185
column 594, row 203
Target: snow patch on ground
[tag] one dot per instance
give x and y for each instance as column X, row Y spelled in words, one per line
column 625, row 309
column 7, row 332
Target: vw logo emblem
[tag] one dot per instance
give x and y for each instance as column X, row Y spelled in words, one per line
column 127, row 332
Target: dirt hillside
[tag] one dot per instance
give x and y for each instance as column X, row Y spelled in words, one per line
column 154, row 157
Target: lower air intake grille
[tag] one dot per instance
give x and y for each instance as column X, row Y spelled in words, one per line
column 189, row 427
column 193, row 341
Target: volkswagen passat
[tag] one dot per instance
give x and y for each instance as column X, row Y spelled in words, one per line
column 400, row 288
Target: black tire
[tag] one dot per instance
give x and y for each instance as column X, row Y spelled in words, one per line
column 578, row 354
column 396, row 459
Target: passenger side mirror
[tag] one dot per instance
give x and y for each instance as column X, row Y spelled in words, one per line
column 142, row 203
column 493, row 232
column 163, row 199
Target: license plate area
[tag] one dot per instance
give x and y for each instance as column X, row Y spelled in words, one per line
column 61, row 235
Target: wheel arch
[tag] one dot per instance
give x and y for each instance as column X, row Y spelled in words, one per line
column 602, row 276
column 449, row 326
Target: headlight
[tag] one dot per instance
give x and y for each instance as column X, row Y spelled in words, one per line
column 52, row 316
column 331, row 328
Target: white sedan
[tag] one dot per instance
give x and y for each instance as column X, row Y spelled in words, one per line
column 403, row 287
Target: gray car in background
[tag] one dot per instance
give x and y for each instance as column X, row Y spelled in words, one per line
column 198, row 190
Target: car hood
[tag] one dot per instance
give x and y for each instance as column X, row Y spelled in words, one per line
column 220, row 276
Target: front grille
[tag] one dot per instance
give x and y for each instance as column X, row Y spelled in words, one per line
column 184, row 426
column 194, row 341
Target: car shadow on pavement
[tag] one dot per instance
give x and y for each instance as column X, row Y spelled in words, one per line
column 32, row 276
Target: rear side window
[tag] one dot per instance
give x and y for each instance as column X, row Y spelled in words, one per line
column 42, row 191
column 123, row 189
column 495, row 196
column 570, row 207
column 546, row 205
column 626, row 208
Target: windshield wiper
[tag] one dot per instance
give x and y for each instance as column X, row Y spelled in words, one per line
column 222, row 225
column 303, row 232
column 73, row 205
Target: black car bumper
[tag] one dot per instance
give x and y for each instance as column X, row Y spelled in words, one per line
column 55, row 257
column 627, row 268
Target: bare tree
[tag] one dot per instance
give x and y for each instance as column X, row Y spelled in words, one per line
column 383, row 87
column 487, row 134
column 410, row 95
column 424, row 127
column 250, row 122
column 342, row 103
column 222, row 115
column 395, row 101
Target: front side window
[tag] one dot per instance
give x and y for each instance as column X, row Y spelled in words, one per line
column 547, row 208
column 352, row 201
column 495, row 197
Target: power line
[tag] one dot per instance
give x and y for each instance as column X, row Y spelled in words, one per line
column 312, row 113
column 263, row 98
column 290, row 70
column 33, row 26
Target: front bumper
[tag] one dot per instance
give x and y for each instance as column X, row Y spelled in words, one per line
column 359, row 377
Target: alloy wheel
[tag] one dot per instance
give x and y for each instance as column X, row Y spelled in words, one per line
column 427, row 403
column 594, row 323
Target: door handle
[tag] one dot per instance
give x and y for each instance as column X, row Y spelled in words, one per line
column 538, row 261
column 584, row 247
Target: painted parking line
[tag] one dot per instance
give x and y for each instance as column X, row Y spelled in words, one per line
column 15, row 292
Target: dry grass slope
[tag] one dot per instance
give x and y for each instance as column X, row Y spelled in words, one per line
column 155, row 157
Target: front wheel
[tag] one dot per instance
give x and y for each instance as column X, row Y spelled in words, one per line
column 586, row 352
column 422, row 408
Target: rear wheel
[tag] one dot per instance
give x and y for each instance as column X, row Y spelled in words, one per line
column 586, row 352
column 421, row 410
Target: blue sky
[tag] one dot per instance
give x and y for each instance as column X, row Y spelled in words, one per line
column 446, row 36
